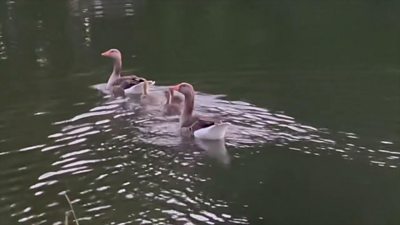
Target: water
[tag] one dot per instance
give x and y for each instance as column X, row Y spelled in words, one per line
column 311, row 90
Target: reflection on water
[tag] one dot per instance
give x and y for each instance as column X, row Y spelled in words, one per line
column 3, row 52
column 99, row 8
column 143, row 164
column 41, row 49
column 81, row 14
column 215, row 150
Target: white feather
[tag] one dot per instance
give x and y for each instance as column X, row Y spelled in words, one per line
column 214, row 132
column 138, row 88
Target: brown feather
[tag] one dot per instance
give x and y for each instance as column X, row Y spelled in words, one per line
column 126, row 82
column 196, row 122
column 117, row 91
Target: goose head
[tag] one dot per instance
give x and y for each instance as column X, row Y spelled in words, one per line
column 112, row 53
column 185, row 88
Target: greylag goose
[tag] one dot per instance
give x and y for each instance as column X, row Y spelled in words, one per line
column 130, row 84
column 173, row 106
column 150, row 98
column 198, row 126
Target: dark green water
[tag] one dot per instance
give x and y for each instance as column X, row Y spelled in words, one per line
column 312, row 89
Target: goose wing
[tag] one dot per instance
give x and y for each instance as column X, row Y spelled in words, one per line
column 199, row 122
column 126, row 82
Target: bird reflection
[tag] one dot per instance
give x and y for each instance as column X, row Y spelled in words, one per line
column 215, row 149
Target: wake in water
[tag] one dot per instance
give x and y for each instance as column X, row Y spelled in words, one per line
column 251, row 126
column 137, row 155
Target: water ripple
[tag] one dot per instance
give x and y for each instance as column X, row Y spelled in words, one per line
column 3, row 48
column 119, row 152
column 99, row 9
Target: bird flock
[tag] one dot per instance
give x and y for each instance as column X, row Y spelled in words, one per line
column 176, row 100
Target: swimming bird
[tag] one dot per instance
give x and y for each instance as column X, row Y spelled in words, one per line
column 173, row 106
column 131, row 84
column 199, row 126
column 150, row 98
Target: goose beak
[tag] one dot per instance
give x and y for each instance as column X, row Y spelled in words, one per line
column 104, row 53
column 175, row 88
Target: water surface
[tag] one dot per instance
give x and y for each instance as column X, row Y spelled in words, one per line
column 311, row 89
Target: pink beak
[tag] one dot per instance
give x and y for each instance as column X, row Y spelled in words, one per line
column 175, row 88
column 104, row 53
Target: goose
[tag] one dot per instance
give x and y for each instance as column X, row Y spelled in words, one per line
column 198, row 126
column 131, row 84
column 150, row 98
column 173, row 106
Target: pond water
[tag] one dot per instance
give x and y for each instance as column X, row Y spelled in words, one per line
column 311, row 88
